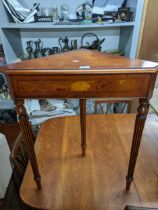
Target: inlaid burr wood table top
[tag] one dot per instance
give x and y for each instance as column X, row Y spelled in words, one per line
column 86, row 60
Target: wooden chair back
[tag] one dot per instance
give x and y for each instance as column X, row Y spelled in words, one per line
column 112, row 106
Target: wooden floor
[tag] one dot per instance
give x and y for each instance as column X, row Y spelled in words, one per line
column 98, row 180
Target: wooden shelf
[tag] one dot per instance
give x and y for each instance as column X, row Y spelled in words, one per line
column 56, row 26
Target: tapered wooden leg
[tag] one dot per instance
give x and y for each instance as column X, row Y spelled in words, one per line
column 138, row 130
column 29, row 138
column 83, row 125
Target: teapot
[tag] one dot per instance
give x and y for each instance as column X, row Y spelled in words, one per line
column 66, row 46
column 96, row 44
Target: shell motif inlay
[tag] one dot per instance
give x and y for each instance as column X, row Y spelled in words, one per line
column 80, row 86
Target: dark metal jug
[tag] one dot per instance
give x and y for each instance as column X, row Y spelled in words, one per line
column 65, row 46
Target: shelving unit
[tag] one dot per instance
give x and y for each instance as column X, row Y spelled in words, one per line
column 71, row 26
column 123, row 35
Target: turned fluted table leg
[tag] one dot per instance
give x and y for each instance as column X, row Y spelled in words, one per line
column 138, row 130
column 29, row 138
column 83, row 125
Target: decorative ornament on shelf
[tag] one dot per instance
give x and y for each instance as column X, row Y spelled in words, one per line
column 66, row 46
column 2, row 56
column 20, row 12
column 4, row 92
column 96, row 44
column 64, row 12
column 124, row 13
column 84, row 11
column 98, row 10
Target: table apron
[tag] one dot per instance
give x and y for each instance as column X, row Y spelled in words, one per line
column 80, row 86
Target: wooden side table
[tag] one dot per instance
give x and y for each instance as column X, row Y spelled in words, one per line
column 82, row 74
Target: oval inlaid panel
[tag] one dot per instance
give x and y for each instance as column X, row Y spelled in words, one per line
column 80, row 86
